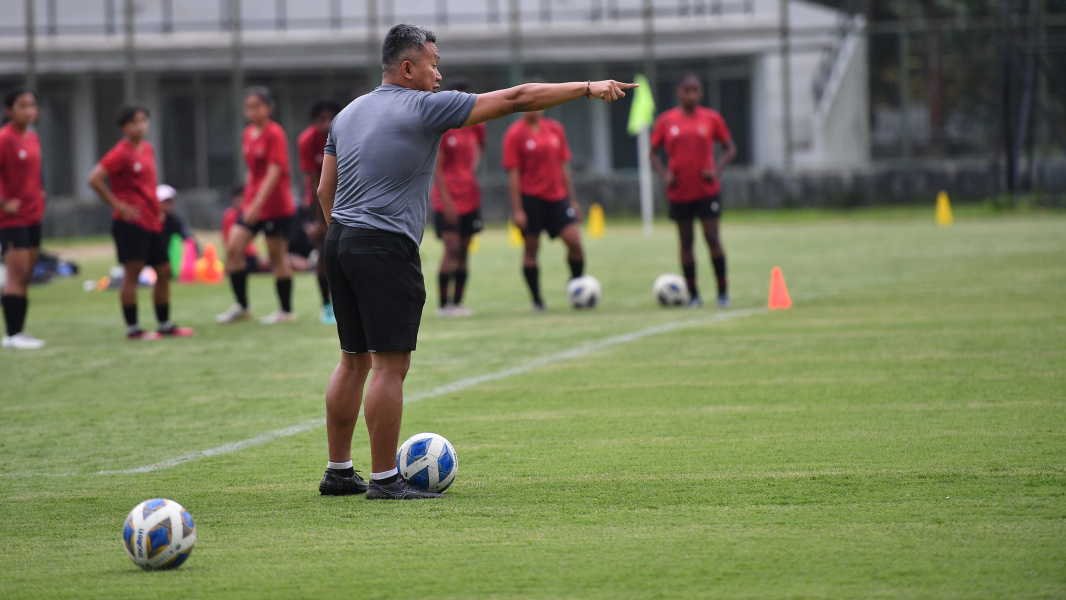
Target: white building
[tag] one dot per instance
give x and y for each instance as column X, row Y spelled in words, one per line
column 190, row 64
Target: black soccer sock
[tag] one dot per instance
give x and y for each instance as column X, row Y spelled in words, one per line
column 284, row 287
column 719, row 272
column 162, row 313
column 344, row 472
column 690, row 279
column 443, row 280
column 386, row 480
column 15, row 308
column 239, row 281
column 577, row 267
column 323, row 288
column 533, row 281
column 460, row 285
column 130, row 313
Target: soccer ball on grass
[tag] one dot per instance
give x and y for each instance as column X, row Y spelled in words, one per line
column 670, row 290
column 584, row 291
column 159, row 534
column 428, row 461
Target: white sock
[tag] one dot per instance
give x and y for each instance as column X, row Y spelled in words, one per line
column 384, row 474
column 343, row 465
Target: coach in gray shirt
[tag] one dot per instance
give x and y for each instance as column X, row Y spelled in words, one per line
column 376, row 178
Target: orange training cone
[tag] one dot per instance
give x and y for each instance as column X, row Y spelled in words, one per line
column 188, row 263
column 778, row 292
column 213, row 269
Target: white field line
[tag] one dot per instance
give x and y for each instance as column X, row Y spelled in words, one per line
column 449, row 388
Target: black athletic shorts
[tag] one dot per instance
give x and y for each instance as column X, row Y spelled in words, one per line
column 136, row 244
column 706, row 208
column 269, row 227
column 468, row 224
column 545, row 215
column 20, row 237
column 378, row 292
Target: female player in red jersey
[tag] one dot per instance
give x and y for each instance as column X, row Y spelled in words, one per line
column 267, row 207
column 21, row 210
column 537, row 158
column 688, row 133
column 311, row 146
column 456, row 200
column 137, row 221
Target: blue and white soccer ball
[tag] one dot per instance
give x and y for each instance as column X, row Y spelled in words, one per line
column 584, row 291
column 671, row 290
column 159, row 534
column 428, row 461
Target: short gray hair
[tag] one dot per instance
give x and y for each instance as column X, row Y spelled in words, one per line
column 400, row 41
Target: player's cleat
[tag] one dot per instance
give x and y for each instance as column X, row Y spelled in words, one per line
column 22, row 341
column 445, row 311
column 140, row 334
column 398, row 490
column 176, row 331
column 326, row 316
column 695, row 302
column 278, row 316
column 539, row 308
column 233, row 314
column 461, row 311
column 723, row 301
column 334, row 484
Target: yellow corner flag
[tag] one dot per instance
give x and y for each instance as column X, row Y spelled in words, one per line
column 943, row 210
column 597, row 226
column 514, row 235
column 642, row 111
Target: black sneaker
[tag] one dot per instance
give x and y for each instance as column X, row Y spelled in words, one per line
column 398, row 490
column 336, row 485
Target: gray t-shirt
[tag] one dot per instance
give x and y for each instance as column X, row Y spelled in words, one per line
column 386, row 146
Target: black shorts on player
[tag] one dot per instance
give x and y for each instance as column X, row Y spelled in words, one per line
column 544, row 215
column 378, row 292
column 269, row 227
column 134, row 243
column 706, row 208
column 19, row 237
column 468, row 224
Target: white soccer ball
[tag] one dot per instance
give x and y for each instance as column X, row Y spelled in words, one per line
column 159, row 534
column 671, row 290
column 428, row 461
column 584, row 291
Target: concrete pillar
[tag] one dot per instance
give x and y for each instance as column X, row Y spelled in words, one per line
column 600, row 121
column 148, row 88
column 83, row 141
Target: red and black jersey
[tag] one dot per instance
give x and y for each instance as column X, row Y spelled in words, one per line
column 311, row 147
column 20, row 176
column 539, row 156
column 459, row 150
column 131, row 174
column 262, row 149
column 689, row 142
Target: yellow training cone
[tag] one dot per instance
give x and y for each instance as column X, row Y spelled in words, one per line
column 475, row 245
column 597, row 224
column 943, row 210
column 514, row 235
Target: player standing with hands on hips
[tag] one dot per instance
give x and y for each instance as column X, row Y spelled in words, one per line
column 137, row 221
column 21, row 211
column 376, row 179
column 688, row 133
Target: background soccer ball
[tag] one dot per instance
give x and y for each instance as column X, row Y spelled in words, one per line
column 159, row 534
column 584, row 291
column 428, row 461
column 670, row 290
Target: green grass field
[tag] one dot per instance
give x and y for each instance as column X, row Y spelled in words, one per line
column 899, row 433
